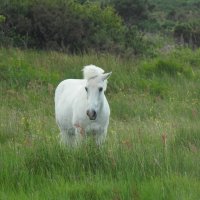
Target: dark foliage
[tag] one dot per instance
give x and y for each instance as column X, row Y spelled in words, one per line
column 132, row 11
column 70, row 26
column 188, row 33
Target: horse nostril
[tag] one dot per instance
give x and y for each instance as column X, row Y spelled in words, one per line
column 94, row 114
column 91, row 114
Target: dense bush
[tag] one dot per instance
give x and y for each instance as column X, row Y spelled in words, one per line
column 188, row 33
column 132, row 11
column 72, row 26
column 2, row 18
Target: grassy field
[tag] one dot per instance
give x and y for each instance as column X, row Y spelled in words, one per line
column 153, row 144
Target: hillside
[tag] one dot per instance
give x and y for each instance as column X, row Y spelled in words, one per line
column 153, row 142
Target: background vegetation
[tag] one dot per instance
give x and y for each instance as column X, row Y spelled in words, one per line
column 80, row 26
column 153, row 144
column 64, row 25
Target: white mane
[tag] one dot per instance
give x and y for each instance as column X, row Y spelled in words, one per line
column 91, row 71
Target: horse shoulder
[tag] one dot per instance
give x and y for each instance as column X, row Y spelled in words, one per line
column 68, row 87
column 79, row 105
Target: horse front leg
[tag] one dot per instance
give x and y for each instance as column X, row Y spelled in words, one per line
column 101, row 136
column 79, row 133
column 68, row 137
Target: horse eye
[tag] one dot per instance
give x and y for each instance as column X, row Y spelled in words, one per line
column 100, row 89
column 86, row 89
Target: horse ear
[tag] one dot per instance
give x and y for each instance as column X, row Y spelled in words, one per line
column 106, row 76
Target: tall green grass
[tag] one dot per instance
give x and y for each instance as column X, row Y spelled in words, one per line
column 153, row 142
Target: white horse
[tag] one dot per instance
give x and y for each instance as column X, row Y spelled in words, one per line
column 81, row 106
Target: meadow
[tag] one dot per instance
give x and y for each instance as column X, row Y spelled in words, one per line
column 153, row 143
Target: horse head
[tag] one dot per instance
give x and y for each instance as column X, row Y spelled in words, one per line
column 95, row 88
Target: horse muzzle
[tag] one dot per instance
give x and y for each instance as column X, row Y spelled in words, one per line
column 91, row 114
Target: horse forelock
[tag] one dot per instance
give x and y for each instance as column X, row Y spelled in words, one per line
column 91, row 78
column 93, row 74
column 91, row 71
column 96, row 80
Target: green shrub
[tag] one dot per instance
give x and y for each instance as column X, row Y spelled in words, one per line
column 70, row 26
column 167, row 66
column 2, row 18
column 134, row 40
column 132, row 11
column 188, row 33
column 61, row 25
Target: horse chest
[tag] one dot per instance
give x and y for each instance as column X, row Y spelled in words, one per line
column 92, row 128
column 89, row 128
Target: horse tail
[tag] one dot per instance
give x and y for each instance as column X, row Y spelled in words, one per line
column 91, row 71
